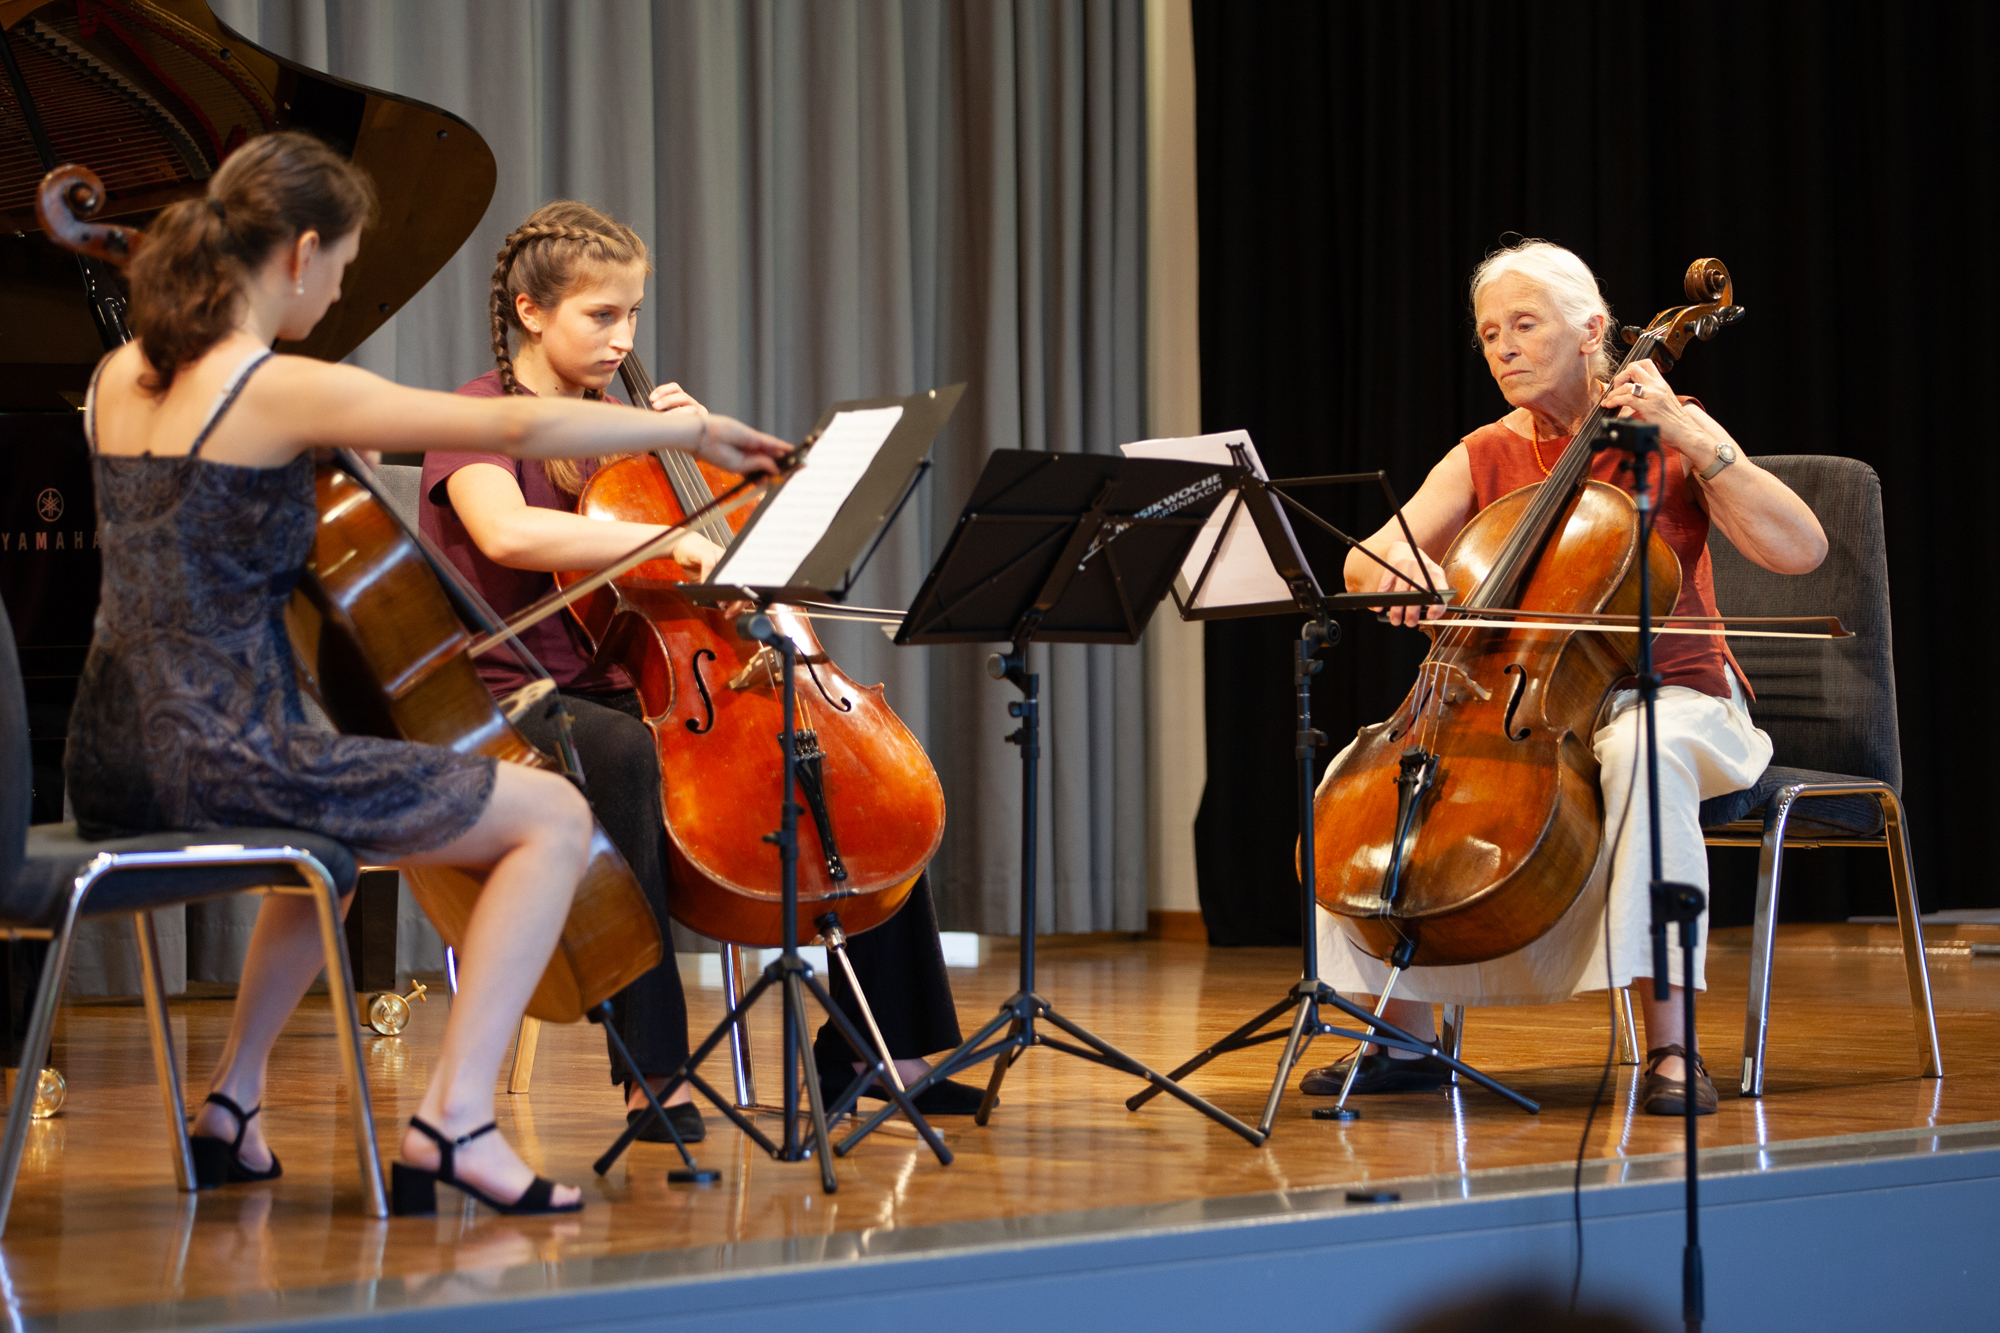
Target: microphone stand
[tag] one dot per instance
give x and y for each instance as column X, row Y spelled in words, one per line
column 1681, row 903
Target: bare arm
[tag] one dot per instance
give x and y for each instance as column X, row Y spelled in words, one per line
column 509, row 531
column 1762, row 517
column 1441, row 506
column 297, row 403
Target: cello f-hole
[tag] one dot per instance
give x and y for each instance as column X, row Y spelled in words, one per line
column 1520, row 675
column 843, row 705
column 707, row 703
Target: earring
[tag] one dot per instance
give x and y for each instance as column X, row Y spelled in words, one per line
column 299, row 289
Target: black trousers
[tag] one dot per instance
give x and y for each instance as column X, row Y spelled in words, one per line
column 901, row 967
column 899, row 963
column 621, row 771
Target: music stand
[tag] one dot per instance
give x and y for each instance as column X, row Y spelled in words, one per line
column 1065, row 548
column 874, row 456
column 1248, row 557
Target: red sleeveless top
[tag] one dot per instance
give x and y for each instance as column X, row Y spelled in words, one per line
column 1504, row 461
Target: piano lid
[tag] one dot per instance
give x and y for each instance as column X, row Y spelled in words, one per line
column 152, row 95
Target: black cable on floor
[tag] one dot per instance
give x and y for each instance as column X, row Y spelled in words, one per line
column 1611, row 1047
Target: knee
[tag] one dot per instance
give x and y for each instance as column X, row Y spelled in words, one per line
column 564, row 825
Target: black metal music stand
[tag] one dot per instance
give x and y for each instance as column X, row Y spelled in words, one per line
column 1260, row 502
column 825, row 571
column 1068, row 548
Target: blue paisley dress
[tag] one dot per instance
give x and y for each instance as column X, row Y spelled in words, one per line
column 188, row 715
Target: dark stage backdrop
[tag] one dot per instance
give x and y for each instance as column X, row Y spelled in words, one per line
column 1358, row 159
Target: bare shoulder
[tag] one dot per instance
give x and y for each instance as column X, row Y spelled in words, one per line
column 122, row 369
column 1451, row 479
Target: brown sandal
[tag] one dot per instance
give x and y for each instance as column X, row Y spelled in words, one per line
column 1668, row 1096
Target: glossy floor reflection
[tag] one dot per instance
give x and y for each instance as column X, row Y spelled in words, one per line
column 97, row 1222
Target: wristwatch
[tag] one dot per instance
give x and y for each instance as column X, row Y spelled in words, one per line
column 1725, row 454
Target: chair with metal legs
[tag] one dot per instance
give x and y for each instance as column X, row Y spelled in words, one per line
column 1830, row 709
column 51, row 878
column 1451, row 1029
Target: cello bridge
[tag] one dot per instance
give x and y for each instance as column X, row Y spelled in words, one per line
column 764, row 660
column 1466, row 682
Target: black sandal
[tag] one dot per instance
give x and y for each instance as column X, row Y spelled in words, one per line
column 219, row 1163
column 413, row 1190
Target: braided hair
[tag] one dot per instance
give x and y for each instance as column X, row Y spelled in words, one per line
column 548, row 257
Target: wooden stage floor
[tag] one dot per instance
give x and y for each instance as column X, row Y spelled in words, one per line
column 97, row 1222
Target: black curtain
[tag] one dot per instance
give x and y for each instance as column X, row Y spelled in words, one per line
column 1357, row 160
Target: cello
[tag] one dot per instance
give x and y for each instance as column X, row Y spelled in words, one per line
column 714, row 702
column 1462, row 828
column 383, row 649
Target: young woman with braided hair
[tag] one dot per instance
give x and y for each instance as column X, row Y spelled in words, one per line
column 568, row 284
column 188, row 714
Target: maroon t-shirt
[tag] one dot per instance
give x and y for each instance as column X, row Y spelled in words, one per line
column 556, row 641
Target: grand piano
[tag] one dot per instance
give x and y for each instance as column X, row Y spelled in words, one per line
column 153, row 95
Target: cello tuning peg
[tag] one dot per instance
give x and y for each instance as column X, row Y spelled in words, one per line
column 1729, row 314
column 1629, row 334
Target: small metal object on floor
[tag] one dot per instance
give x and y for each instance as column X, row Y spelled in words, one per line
column 389, row 1013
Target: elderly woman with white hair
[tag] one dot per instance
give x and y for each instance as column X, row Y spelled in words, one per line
column 1542, row 325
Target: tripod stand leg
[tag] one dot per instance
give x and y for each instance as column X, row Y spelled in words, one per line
column 1340, row 1111
column 1296, row 1044
column 798, row 1063
column 1000, row 1066
column 1117, row 1059
column 734, row 1018
column 691, row 1172
column 1235, row 1041
column 876, row 1068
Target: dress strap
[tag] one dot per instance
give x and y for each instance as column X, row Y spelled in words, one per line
column 90, row 405
column 227, row 398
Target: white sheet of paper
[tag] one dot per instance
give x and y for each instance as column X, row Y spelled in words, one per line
column 791, row 523
column 1243, row 573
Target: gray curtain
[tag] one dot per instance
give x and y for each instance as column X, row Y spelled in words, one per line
column 845, row 199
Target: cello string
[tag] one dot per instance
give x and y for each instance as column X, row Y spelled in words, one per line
column 1657, row 629
column 1555, row 492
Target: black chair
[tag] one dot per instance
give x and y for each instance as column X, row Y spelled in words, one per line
column 1836, row 775
column 50, row 878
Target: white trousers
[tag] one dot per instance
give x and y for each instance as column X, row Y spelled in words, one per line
column 1708, row 747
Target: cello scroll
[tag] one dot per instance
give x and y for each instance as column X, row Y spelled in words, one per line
column 68, row 196
column 1713, row 295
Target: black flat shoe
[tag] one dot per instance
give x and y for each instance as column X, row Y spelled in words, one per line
column 1668, row 1096
column 686, row 1117
column 1380, row 1073
column 413, row 1190
column 941, row 1098
column 944, row 1097
column 218, row 1163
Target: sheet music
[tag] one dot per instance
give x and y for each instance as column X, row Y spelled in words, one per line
column 1243, row 573
column 790, row 524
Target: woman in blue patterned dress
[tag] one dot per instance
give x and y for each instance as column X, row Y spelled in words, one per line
column 188, row 716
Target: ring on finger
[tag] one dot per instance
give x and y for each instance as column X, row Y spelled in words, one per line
column 1638, row 391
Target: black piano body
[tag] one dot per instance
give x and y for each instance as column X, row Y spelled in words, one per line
column 153, row 95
